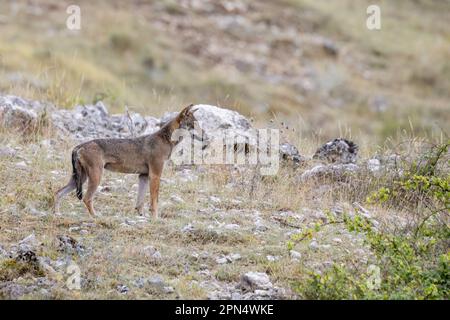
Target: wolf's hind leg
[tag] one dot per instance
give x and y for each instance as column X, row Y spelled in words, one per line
column 95, row 175
column 143, row 182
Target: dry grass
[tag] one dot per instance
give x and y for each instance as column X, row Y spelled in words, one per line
column 114, row 243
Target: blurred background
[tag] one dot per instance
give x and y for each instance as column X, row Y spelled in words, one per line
column 310, row 64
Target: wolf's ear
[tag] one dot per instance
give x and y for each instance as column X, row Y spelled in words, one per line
column 185, row 111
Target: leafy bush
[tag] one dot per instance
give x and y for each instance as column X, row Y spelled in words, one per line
column 412, row 263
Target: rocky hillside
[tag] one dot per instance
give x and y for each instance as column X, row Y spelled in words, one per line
column 225, row 232
column 359, row 208
column 310, row 64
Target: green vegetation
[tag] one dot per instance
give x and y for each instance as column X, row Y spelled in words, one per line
column 413, row 261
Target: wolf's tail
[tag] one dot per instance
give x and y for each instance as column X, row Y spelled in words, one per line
column 77, row 173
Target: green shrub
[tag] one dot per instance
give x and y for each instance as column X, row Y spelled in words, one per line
column 412, row 263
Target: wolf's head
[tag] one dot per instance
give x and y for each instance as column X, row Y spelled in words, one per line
column 185, row 119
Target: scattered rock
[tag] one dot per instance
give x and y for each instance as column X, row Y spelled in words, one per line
column 290, row 153
column 361, row 210
column 70, row 245
column 295, row 255
column 21, row 165
column 313, row 245
column 7, row 152
column 11, row 290
column 234, row 256
column 332, row 171
column 29, row 243
column 374, row 165
column 228, row 258
column 214, row 200
column 187, row 228
column 251, row 281
column 152, row 255
column 272, row 258
column 337, row 151
column 221, row 260
column 156, row 284
column 36, row 212
column 330, row 47
column 176, row 199
column 232, row 226
column 123, row 289
column 3, row 253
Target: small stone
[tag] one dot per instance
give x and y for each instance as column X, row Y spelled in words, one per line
column 374, row 165
column 130, row 222
column 168, row 290
column 260, row 228
column 151, row 254
column 28, row 243
column 21, row 165
column 157, row 255
column 3, row 253
column 214, row 200
column 232, row 226
column 74, row 229
column 337, row 240
column 123, row 289
column 139, row 282
column 158, row 284
column 188, row 228
column 221, row 260
column 7, row 152
column 295, row 254
column 272, row 258
column 314, row 245
column 262, row 293
column 234, row 256
column 176, row 199
column 36, row 212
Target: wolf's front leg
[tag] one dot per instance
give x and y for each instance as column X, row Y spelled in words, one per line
column 143, row 181
column 154, row 191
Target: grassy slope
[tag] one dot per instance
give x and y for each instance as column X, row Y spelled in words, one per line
column 114, row 242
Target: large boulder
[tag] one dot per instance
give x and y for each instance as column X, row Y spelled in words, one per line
column 212, row 121
column 209, row 124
